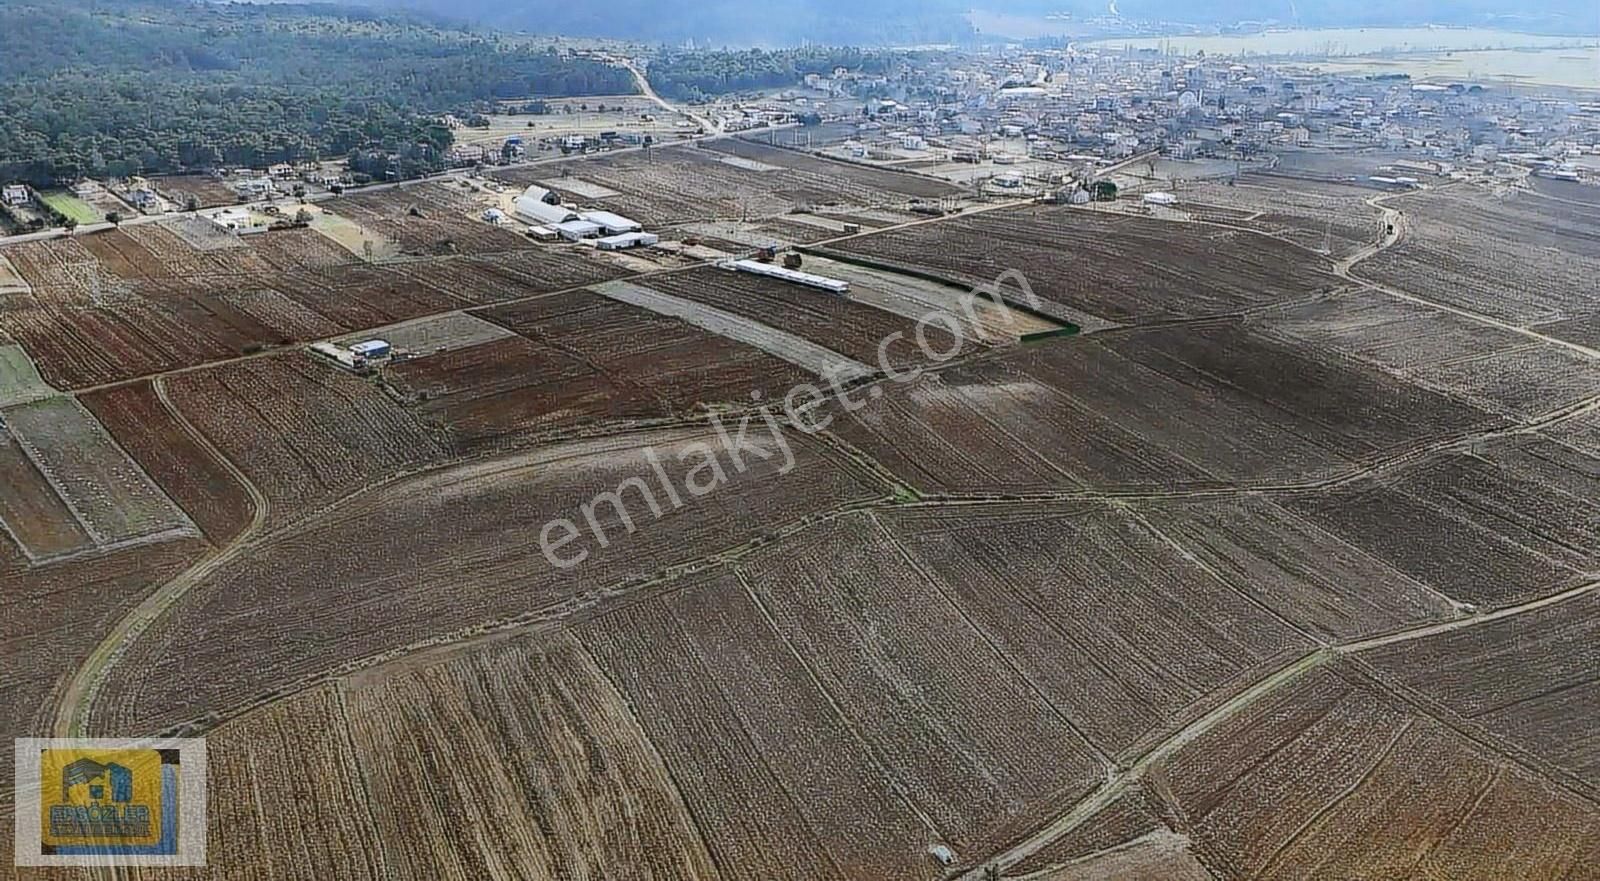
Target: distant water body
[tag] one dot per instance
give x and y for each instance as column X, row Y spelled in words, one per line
column 1332, row 42
column 1453, row 54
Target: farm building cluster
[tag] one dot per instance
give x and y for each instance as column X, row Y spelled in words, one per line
column 550, row 219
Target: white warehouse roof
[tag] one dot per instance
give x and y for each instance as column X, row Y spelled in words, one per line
column 612, row 223
column 536, row 211
column 628, row 240
column 578, row 229
column 756, row 267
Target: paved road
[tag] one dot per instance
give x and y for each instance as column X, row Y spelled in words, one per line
column 649, row 91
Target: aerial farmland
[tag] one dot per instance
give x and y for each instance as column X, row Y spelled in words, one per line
column 1259, row 539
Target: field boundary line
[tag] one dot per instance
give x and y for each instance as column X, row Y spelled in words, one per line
column 303, row 345
column 1087, row 808
column 773, row 340
column 1332, row 804
column 1469, row 730
column 1460, row 821
column 73, row 709
column 1358, row 470
column 1166, row 834
column 30, row 452
column 983, row 633
column 341, row 705
column 698, row 655
column 551, row 617
column 1399, row 220
column 1365, row 645
column 890, row 779
column 1183, row 551
column 585, row 656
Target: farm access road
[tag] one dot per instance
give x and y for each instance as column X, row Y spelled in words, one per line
column 1395, row 223
column 709, row 126
column 72, row 713
column 1119, row 781
column 1394, row 230
column 73, row 710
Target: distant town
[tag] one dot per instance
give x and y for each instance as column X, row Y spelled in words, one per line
column 1039, row 123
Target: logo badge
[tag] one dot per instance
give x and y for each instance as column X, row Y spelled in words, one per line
column 98, row 801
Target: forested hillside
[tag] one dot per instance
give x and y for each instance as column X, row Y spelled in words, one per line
column 95, row 87
column 736, row 23
column 690, row 76
column 722, row 23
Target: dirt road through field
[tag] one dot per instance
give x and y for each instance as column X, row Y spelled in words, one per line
column 1086, row 809
column 649, row 92
column 72, row 713
column 1395, row 223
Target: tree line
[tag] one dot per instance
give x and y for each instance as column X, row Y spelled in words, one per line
column 116, row 87
column 693, row 76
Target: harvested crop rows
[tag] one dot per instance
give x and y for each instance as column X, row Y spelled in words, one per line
column 110, row 496
column 298, row 804
column 120, row 310
column 1393, row 334
column 542, row 756
column 1118, row 628
column 684, row 366
column 1529, row 680
column 31, row 510
column 1116, row 267
column 83, row 324
column 580, row 360
column 880, row 743
column 1342, row 407
column 968, row 735
column 512, row 391
column 142, row 426
column 1490, row 531
column 990, row 428
column 1520, row 258
column 363, row 577
column 195, row 190
column 1328, row 218
column 1521, row 383
column 782, row 789
column 1304, row 575
column 303, row 431
column 677, row 184
column 1358, row 785
column 889, row 180
column 427, row 219
column 1129, row 818
column 1268, row 576
column 1196, row 405
column 510, row 276
column 836, row 322
column 52, row 616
